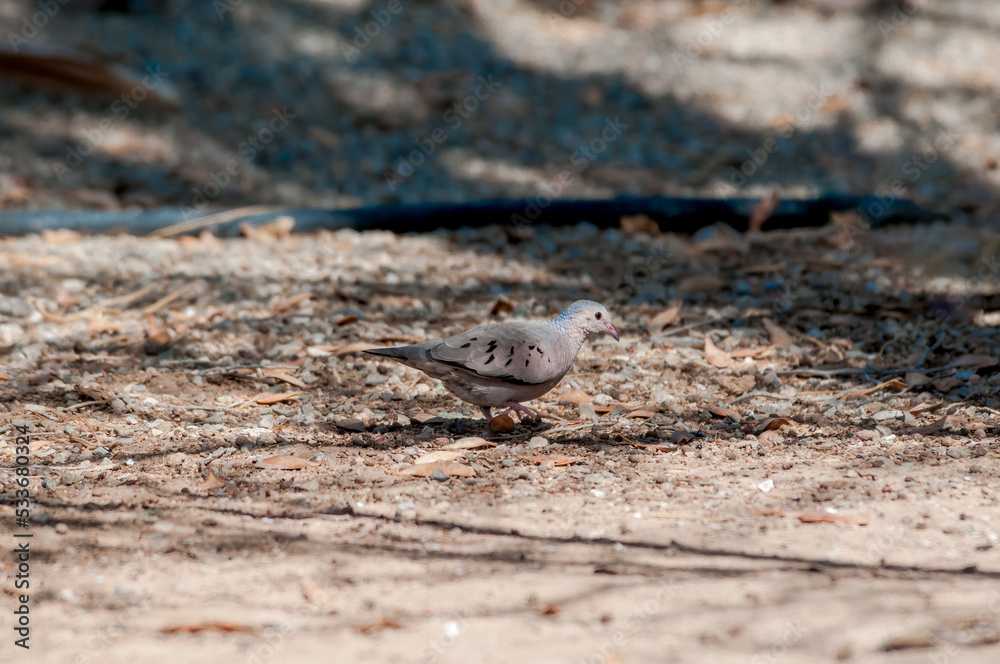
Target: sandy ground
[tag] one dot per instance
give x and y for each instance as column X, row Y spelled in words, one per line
column 661, row 521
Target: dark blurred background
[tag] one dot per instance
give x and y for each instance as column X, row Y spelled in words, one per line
column 343, row 103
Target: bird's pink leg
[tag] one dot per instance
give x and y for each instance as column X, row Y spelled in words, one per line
column 486, row 413
column 513, row 405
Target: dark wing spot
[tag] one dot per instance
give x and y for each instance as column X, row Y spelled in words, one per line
column 531, row 348
column 511, row 350
column 473, row 338
column 509, row 361
column 540, row 351
column 525, row 363
column 466, row 345
column 489, row 360
column 492, row 347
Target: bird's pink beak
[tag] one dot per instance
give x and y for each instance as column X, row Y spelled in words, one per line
column 611, row 330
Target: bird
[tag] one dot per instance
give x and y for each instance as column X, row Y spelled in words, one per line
column 503, row 364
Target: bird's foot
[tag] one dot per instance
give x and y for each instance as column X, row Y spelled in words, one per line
column 514, row 406
column 485, row 410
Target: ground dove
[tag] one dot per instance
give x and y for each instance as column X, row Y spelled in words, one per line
column 503, row 364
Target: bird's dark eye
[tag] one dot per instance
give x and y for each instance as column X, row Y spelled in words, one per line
column 598, row 315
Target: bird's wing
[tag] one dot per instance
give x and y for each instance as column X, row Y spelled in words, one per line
column 518, row 353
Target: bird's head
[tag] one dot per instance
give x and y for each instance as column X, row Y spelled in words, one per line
column 590, row 317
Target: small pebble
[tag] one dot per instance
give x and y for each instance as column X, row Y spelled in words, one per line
column 537, row 443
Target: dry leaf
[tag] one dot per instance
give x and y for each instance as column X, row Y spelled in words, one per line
column 915, row 379
column 574, row 396
column 439, row 455
column 933, row 427
column 556, row 459
column 973, row 361
column 278, row 229
column 895, row 384
column 157, row 335
column 405, row 338
column 290, row 303
column 314, row 594
column 714, row 356
column 502, row 423
column 285, row 377
column 321, row 350
column 501, row 306
column 771, row 423
column 355, row 347
column 946, row 384
column 682, row 437
column 61, row 236
column 468, row 443
column 549, row 611
column 764, row 269
column 723, row 412
column 447, row 467
column 922, row 408
column 351, row 424
column 910, row 641
column 655, row 448
column 664, row 319
column 639, row 223
column 62, row 70
column 206, row 627
column 378, row 626
column 4, row 376
column 762, row 211
column 778, row 336
column 210, row 483
column 736, row 384
column 768, row 511
column 289, row 462
column 822, row 517
column 750, row 352
column 346, row 320
column 100, row 323
column 700, row 283
column 644, row 413
column 271, row 397
column 627, row 407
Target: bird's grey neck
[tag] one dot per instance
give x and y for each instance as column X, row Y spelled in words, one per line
column 576, row 334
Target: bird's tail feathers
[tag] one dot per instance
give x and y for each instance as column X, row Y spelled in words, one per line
column 397, row 353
